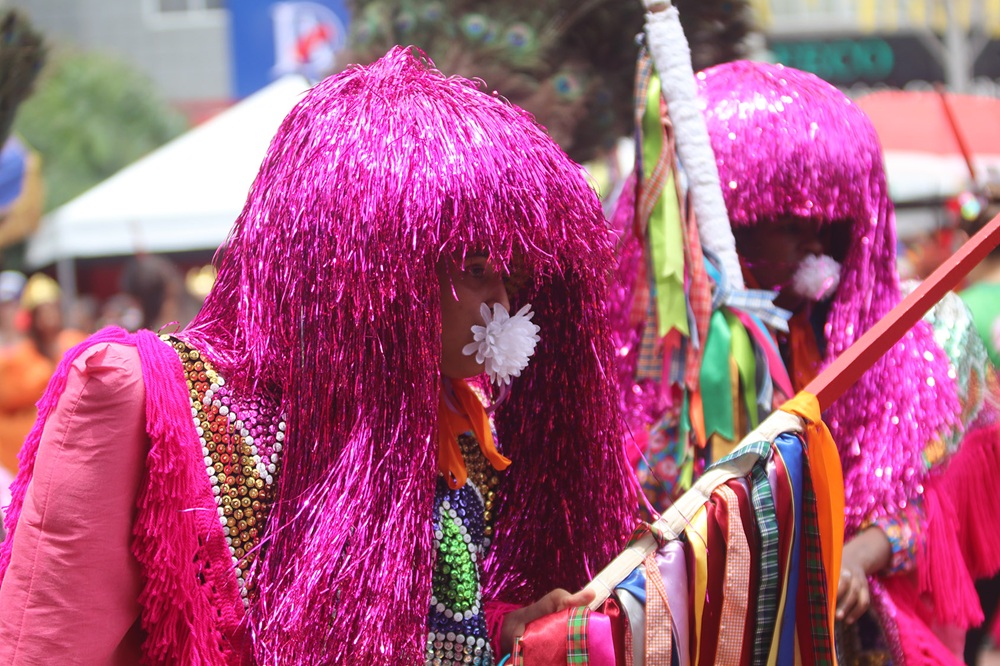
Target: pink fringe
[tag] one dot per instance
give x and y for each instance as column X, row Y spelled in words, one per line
column 941, row 570
column 911, row 626
column 962, row 534
column 179, row 615
column 496, row 613
column 175, row 513
column 961, row 544
column 971, row 480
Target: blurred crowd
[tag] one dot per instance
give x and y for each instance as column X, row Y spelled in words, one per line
column 963, row 217
column 38, row 324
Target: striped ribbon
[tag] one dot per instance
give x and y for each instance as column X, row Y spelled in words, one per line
column 814, row 617
column 767, row 525
column 735, row 600
column 757, row 302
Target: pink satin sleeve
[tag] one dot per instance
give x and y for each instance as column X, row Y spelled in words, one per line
column 71, row 592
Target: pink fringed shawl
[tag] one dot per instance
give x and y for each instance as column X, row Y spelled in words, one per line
column 178, row 542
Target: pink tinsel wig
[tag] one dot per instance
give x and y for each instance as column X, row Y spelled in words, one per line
column 328, row 299
column 789, row 144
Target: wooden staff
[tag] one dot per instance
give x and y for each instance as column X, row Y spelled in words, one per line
column 856, row 359
column 827, row 387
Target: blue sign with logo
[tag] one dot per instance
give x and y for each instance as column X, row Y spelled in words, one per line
column 270, row 39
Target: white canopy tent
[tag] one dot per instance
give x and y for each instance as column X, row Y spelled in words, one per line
column 927, row 137
column 183, row 196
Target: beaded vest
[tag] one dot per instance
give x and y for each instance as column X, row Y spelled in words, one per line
column 463, row 529
column 241, row 443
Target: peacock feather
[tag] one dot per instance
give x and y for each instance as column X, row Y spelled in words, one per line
column 570, row 63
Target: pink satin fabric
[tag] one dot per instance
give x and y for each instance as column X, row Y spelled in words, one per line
column 79, row 510
column 600, row 641
column 546, row 640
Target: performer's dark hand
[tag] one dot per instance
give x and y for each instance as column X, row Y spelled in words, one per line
column 553, row 602
column 853, row 596
column 866, row 554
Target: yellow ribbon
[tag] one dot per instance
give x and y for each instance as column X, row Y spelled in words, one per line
column 697, row 534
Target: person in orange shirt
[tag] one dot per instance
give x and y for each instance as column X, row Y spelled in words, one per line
column 27, row 365
column 11, row 286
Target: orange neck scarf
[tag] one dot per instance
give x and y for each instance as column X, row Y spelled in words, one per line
column 805, row 359
column 468, row 414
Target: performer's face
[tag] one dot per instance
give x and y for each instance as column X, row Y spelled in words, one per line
column 772, row 250
column 465, row 284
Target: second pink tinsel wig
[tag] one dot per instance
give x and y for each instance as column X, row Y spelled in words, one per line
column 788, row 144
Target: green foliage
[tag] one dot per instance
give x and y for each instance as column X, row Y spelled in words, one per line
column 22, row 53
column 91, row 115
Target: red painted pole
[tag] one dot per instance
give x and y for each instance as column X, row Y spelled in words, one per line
column 956, row 130
column 860, row 356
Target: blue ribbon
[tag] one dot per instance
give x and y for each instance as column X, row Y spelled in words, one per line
column 757, row 303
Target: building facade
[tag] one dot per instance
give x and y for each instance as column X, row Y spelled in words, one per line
column 863, row 44
column 182, row 45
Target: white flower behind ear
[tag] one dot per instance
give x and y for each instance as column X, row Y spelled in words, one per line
column 817, row 278
column 505, row 344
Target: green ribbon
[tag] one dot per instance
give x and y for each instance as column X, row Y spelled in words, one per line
column 746, row 364
column 684, row 456
column 684, row 425
column 715, row 378
column 665, row 231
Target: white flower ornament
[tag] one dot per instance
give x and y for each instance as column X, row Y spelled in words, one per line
column 505, row 343
column 817, row 278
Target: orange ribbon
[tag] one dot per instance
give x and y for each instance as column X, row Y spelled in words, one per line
column 697, row 415
column 467, row 415
column 806, row 359
column 828, row 481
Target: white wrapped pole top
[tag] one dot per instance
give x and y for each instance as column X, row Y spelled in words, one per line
column 672, row 57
